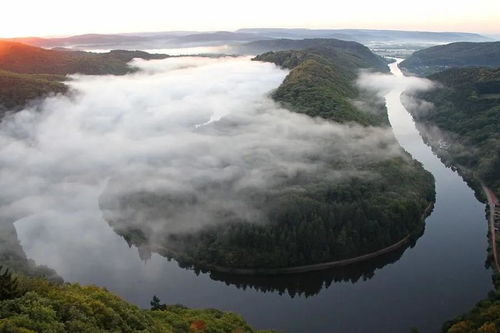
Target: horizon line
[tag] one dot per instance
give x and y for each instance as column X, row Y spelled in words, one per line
column 246, row 28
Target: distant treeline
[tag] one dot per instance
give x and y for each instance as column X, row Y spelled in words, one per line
column 438, row 58
column 28, row 73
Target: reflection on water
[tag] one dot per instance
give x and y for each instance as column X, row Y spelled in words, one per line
column 440, row 277
column 300, row 284
column 310, row 284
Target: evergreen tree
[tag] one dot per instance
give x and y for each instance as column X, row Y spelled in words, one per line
column 155, row 303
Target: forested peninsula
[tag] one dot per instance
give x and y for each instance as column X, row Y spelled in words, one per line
column 310, row 219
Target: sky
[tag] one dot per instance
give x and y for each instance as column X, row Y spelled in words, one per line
column 63, row 17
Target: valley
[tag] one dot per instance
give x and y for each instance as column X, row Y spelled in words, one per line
column 238, row 170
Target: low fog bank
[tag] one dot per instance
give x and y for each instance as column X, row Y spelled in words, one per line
column 385, row 83
column 396, row 88
column 202, row 131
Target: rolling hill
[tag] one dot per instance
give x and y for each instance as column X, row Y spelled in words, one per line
column 25, row 59
column 345, row 53
column 17, row 90
column 368, row 35
column 466, row 109
column 165, row 39
column 37, row 305
column 438, row 58
column 28, row 73
column 323, row 87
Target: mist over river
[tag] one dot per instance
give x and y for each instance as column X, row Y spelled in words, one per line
column 442, row 275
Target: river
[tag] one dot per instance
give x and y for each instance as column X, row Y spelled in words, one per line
column 441, row 276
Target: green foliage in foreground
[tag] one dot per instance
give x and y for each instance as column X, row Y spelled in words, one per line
column 178, row 318
column 467, row 107
column 45, row 307
column 9, row 287
column 16, row 90
column 483, row 318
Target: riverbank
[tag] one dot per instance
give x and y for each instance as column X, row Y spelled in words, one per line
column 494, row 208
column 483, row 317
column 37, row 305
column 312, row 267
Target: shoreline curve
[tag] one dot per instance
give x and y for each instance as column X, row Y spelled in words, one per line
column 313, row 267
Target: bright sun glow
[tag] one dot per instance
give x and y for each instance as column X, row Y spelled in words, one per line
column 58, row 17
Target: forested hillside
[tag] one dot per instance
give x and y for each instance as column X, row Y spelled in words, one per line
column 16, row 90
column 28, row 73
column 438, row 58
column 36, row 305
column 307, row 218
column 319, row 86
column 466, row 108
column 21, row 58
column 346, row 54
column 463, row 127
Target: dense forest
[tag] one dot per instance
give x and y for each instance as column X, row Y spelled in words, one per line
column 312, row 283
column 308, row 218
column 25, row 59
column 438, row 58
column 322, row 86
column 31, row 305
column 28, row 73
column 17, row 90
column 348, row 55
column 466, row 110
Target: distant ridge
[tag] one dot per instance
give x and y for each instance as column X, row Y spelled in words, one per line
column 167, row 39
column 358, row 54
column 28, row 72
column 438, row 58
column 366, row 35
column 26, row 59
